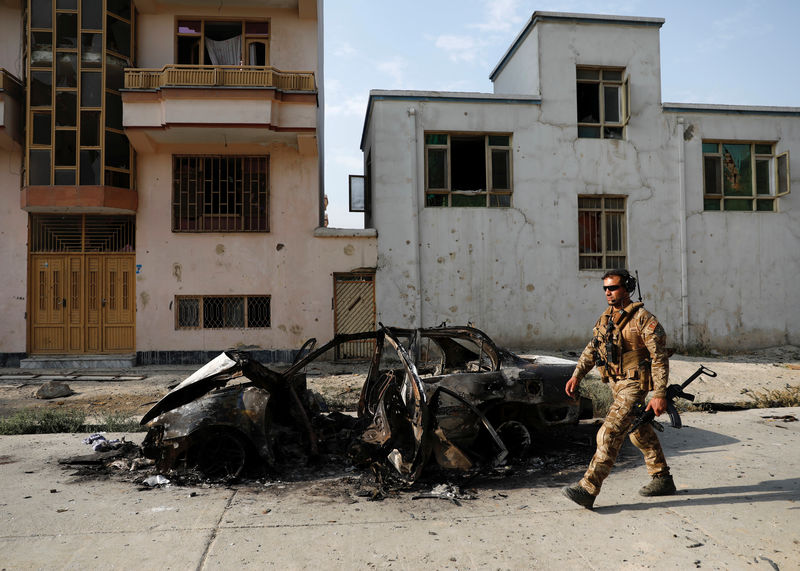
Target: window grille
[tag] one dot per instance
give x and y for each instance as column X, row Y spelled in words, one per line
column 222, row 312
column 82, row 233
column 601, row 232
column 220, row 194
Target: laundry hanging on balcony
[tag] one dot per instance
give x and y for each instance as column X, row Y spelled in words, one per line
column 225, row 52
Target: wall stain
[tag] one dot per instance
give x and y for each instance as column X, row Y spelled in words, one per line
column 145, row 297
column 220, row 249
column 349, row 250
column 177, row 271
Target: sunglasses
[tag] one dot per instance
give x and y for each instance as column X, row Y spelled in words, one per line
column 611, row 287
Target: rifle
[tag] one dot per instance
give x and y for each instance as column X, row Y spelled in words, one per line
column 673, row 391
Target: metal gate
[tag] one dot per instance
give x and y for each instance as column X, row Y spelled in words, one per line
column 354, row 312
column 81, row 281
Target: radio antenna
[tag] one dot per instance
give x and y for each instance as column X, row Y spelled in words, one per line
column 638, row 285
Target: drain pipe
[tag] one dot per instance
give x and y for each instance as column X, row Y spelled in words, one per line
column 683, row 239
column 415, row 207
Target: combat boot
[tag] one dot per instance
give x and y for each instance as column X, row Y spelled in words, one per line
column 659, row 486
column 579, row 495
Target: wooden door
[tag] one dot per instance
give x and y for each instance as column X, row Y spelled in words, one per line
column 82, row 303
column 48, row 301
column 117, row 303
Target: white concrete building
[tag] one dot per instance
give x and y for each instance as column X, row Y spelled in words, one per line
column 505, row 209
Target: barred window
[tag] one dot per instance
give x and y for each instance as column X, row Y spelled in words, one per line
column 220, row 194
column 743, row 176
column 601, row 232
column 222, row 312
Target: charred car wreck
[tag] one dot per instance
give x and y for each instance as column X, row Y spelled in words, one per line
column 446, row 394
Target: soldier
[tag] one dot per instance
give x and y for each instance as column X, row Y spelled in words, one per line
column 627, row 347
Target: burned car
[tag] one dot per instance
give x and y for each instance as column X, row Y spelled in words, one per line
column 447, row 393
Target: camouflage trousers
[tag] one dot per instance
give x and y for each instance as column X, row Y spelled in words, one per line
column 627, row 393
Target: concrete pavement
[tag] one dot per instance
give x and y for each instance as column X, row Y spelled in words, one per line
column 737, row 507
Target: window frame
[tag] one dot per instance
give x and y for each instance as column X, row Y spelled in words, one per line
column 624, row 90
column 247, row 38
column 605, row 212
column 201, row 318
column 716, row 201
column 489, row 191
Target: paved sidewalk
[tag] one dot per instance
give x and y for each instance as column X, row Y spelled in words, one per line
column 737, row 507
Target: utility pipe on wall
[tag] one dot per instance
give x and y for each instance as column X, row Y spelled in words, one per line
column 415, row 206
column 683, row 240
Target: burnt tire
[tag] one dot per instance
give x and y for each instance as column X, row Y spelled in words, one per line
column 516, row 437
column 218, row 454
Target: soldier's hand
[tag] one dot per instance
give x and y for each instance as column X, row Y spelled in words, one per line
column 572, row 388
column 657, row 405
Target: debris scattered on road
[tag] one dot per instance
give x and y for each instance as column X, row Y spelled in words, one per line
column 783, row 418
column 100, row 443
column 446, row 492
column 53, row 390
column 156, row 480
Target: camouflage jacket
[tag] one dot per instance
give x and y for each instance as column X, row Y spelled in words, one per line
column 629, row 344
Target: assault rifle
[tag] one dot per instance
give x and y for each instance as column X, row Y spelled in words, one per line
column 673, row 392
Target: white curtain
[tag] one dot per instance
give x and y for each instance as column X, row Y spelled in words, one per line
column 225, row 52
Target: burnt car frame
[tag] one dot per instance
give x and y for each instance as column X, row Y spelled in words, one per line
column 447, row 392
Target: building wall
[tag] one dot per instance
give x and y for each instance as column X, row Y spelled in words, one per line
column 742, row 266
column 13, row 255
column 14, row 227
column 288, row 263
column 520, row 74
column 514, row 271
column 11, row 38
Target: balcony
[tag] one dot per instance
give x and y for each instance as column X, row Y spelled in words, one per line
column 220, row 76
column 12, row 98
column 218, row 105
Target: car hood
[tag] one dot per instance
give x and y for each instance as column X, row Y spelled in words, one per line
column 214, row 374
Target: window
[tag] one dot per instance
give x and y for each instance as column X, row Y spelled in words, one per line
column 222, row 312
column 743, row 176
column 77, row 52
column 220, row 194
column 467, row 170
column 601, row 232
column 226, row 42
column 603, row 102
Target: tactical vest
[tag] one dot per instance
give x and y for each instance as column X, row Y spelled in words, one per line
column 611, row 358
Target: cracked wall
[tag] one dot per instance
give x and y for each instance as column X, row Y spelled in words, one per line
column 513, row 272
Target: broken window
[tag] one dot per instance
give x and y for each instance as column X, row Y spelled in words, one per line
column 467, row 170
column 220, row 194
column 603, row 96
column 222, row 312
column 743, row 176
column 601, row 232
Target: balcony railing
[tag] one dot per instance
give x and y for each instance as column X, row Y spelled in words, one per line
column 174, row 75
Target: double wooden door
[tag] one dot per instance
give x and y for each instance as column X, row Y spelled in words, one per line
column 82, row 303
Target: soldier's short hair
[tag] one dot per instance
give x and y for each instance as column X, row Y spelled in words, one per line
column 625, row 278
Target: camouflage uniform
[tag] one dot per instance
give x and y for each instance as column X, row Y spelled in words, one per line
column 628, row 348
